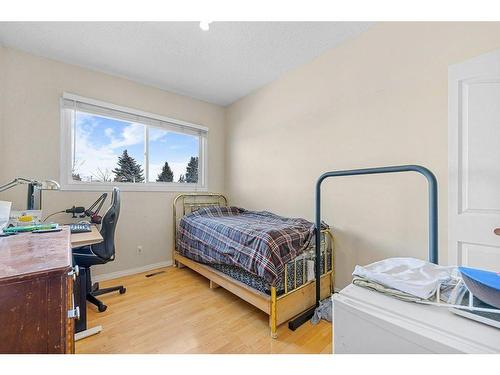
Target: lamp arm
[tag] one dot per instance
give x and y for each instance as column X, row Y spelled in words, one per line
column 35, row 188
column 17, row 181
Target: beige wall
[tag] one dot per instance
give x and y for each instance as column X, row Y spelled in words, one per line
column 379, row 99
column 31, row 126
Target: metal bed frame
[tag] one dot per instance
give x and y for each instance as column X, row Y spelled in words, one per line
column 294, row 300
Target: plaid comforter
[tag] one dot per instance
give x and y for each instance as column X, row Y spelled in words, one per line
column 259, row 242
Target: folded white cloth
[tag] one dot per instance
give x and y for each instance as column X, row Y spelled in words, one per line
column 372, row 285
column 413, row 276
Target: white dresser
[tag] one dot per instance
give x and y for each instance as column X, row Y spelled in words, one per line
column 370, row 322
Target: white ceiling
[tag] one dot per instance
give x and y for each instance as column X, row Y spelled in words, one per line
column 220, row 66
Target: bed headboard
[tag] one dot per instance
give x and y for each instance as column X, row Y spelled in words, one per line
column 190, row 202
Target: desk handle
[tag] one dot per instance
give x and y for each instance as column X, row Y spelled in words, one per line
column 74, row 313
column 75, row 271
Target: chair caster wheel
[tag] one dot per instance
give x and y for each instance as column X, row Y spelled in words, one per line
column 102, row 308
column 123, row 290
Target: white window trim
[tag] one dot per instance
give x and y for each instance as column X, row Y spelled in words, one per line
column 69, row 184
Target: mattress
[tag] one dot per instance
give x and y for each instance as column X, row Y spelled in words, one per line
column 296, row 276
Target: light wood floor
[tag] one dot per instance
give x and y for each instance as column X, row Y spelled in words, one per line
column 176, row 312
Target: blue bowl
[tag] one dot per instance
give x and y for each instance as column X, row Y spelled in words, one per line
column 484, row 285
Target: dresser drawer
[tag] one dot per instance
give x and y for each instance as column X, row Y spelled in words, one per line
column 34, row 313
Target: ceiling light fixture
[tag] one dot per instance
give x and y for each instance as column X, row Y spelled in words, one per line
column 205, row 25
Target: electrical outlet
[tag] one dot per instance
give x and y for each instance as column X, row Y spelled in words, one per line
column 139, row 249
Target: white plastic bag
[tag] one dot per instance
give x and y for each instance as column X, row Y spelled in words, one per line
column 413, row 276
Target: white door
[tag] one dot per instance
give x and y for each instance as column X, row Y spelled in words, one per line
column 474, row 162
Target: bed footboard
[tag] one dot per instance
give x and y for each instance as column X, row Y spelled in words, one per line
column 299, row 283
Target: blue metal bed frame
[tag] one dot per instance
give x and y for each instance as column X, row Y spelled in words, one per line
column 433, row 220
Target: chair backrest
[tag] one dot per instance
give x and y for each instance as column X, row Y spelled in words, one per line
column 106, row 248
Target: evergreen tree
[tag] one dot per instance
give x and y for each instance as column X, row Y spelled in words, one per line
column 166, row 174
column 181, row 178
column 128, row 169
column 192, row 170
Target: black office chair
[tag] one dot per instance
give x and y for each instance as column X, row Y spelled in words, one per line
column 101, row 253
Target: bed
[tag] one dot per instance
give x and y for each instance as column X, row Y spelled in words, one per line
column 265, row 259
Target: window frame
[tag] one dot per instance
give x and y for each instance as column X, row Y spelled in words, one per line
column 67, row 130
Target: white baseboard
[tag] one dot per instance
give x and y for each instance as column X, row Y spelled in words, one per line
column 131, row 271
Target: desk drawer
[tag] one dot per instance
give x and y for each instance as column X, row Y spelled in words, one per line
column 34, row 313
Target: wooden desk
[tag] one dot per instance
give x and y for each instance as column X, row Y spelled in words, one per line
column 36, row 293
column 88, row 238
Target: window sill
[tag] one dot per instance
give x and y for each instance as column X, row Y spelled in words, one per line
column 132, row 187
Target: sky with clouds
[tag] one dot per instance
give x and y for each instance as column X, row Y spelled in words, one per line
column 100, row 140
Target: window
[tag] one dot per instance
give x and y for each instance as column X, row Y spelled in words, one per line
column 104, row 144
